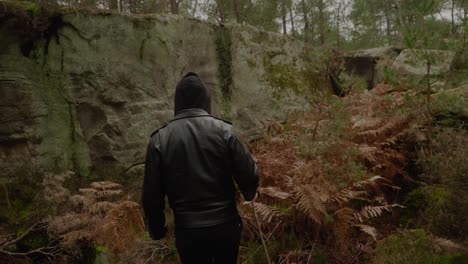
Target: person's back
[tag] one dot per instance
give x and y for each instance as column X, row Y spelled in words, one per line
column 193, row 160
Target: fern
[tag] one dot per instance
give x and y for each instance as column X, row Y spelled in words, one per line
column 369, row 212
column 101, row 215
column 266, row 213
column 371, row 231
column 274, row 193
column 448, row 244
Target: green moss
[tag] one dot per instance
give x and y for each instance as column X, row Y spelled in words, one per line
column 31, row 7
column 412, row 246
column 18, row 206
column 425, row 206
column 66, row 147
column 224, row 56
column 434, row 196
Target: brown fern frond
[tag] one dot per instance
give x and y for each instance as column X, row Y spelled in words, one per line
column 90, row 192
column 374, row 211
column 369, row 152
column 63, row 224
column 274, row 192
column 344, row 221
column 106, row 185
column 374, row 182
column 448, row 244
column 346, row 195
column 266, row 213
column 312, row 202
column 394, row 126
column 109, row 194
column 368, row 230
column 120, row 228
column 72, row 238
column 102, row 207
column 101, row 216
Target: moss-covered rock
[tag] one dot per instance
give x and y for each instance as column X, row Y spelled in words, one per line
column 85, row 92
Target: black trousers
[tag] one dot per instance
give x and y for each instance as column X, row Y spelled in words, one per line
column 214, row 244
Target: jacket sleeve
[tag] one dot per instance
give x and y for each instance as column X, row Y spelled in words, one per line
column 244, row 167
column 153, row 194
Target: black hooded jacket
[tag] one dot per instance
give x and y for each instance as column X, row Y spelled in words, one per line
column 195, row 159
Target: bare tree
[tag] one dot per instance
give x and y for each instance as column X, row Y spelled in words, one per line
column 291, row 17
column 283, row 16
column 321, row 22
column 305, row 16
column 174, row 4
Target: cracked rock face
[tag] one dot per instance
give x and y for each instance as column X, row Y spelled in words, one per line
column 87, row 95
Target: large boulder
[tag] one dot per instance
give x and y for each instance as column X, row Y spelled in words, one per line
column 414, row 62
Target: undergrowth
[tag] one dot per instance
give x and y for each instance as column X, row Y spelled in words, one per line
column 374, row 177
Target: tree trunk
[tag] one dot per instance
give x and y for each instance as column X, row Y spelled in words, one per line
column 195, row 6
column 175, row 6
column 113, row 4
column 453, row 17
column 293, row 30
column 306, row 21
column 388, row 22
column 283, row 16
column 221, row 11
column 321, row 8
column 235, row 6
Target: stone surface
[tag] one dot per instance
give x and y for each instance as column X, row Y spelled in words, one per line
column 87, row 95
column 414, row 62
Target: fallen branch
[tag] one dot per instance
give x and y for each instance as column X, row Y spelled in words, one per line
column 50, row 252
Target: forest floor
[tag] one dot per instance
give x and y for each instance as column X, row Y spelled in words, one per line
column 378, row 176
column 368, row 178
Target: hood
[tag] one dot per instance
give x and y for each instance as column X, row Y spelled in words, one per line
column 191, row 93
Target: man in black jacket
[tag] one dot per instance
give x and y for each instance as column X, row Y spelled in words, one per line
column 196, row 159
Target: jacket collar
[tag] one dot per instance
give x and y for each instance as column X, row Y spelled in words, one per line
column 190, row 113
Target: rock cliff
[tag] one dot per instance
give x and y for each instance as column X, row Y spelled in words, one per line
column 86, row 92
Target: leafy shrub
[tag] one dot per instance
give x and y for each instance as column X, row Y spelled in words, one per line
column 427, row 206
column 354, row 83
column 392, row 76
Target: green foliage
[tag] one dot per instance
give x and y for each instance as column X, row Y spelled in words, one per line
column 224, row 56
column 17, row 202
column 262, row 14
column 282, row 78
column 444, row 205
column 354, row 83
column 412, row 246
column 366, row 16
column 427, row 206
column 392, row 76
column 450, row 111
